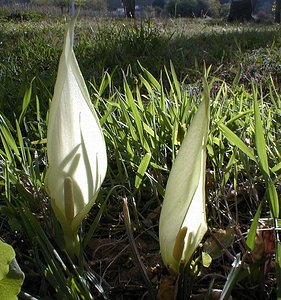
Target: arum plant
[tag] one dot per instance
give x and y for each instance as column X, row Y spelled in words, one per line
column 183, row 217
column 76, row 147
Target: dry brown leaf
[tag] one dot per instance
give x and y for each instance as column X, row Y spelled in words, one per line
column 221, row 239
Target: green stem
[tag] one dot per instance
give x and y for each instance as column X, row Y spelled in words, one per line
column 72, row 244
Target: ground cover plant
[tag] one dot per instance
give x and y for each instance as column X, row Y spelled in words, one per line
column 30, row 50
column 145, row 109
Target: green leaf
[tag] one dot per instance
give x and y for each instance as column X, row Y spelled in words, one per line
column 142, row 169
column 253, row 229
column 25, row 102
column 150, row 131
column 206, row 259
column 272, row 197
column 176, row 83
column 151, row 78
column 20, row 142
column 235, row 140
column 135, row 112
column 276, row 168
column 11, row 276
column 263, row 161
column 232, row 277
column 259, row 139
column 8, row 141
column 238, row 116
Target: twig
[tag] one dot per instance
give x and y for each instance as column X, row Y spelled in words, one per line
column 135, row 251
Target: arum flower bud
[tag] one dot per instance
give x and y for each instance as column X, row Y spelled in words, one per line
column 75, row 146
column 183, row 219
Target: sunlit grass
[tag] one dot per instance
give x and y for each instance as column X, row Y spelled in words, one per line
column 31, row 49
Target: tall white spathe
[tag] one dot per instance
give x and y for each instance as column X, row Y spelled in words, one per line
column 75, row 144
column 183, row 217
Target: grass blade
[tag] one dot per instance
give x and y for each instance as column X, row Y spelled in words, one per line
column 253, row 229
column 232, row 277
column 25, row 102
column 235, row 140
column 259, row 139
column 142, row 169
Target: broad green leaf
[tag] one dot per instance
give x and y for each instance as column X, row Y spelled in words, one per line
column 11, row 276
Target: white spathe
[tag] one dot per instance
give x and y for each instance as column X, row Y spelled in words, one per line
column 183, row 218
column 75, row 143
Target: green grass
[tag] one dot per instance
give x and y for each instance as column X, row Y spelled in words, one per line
column 31, row 49
column 145, row 104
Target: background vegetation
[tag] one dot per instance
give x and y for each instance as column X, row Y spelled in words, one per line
column 144, row 77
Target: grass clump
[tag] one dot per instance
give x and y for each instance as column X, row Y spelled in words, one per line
column 31, row 49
